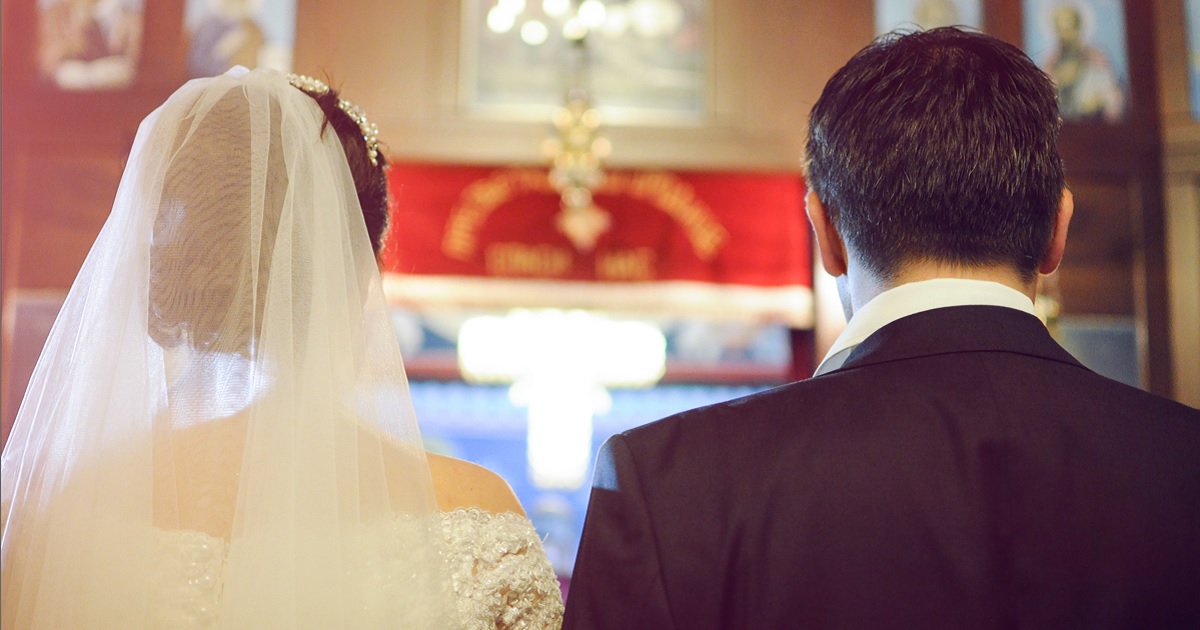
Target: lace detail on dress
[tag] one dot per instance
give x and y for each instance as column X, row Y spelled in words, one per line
column 498, row 568
column 500, row 573
column 190, row 566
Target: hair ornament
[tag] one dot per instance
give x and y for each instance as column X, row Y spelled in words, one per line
column 370, row 132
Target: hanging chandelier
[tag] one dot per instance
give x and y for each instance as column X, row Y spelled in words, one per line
column 576, row 171
column 578, row 149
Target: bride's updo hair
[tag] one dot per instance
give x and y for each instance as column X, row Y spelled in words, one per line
column 210, row 263
column 369, row 170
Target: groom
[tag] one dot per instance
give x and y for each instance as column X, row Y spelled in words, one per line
column 950, row 465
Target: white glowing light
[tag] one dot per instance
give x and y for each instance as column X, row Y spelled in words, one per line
column 656, row 18
column 499, row 20
column 511, row 6
column 592, row 13
column 534, row 32
column 556, row 8
column 560, row 363
column 617, row 21
column 527, row 343
column 574, row 29
column 559, row 438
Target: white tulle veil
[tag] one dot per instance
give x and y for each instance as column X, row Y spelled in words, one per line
column 224, row 369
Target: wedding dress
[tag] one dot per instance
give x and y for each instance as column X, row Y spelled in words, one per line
column 219, row 432
column 499, row 572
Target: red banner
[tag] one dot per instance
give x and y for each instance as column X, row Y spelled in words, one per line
column 739, row 231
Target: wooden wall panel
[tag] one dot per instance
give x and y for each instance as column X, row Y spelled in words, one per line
column 61, row 161
column 65, row 195
column 1181, row 163
column 28, row 318
column 1096, row 276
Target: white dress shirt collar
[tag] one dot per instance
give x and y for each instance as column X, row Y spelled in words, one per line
column 915, row 297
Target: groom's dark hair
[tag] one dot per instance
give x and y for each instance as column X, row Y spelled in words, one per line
column 939, row 145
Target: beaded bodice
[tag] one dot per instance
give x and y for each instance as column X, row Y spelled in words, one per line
column 500, row 573
column 497, row 565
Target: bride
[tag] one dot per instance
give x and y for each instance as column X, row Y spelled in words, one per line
column 219, row 432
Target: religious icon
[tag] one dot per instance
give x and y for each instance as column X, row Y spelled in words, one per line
column 250, row 33
column 926, row 14
column 1081, row 45
column 89, row 44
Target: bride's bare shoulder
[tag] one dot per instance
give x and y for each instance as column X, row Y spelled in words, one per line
column 461, row 484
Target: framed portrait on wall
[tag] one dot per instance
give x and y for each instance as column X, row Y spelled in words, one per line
column 926, row 14
column 227, row 33
column 641, row 61
column 89, row 44
column 1081, row 45
column 1192, row 9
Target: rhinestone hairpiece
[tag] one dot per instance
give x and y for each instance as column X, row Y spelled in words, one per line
column 370, row 132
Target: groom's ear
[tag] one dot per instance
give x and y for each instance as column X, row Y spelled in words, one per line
column 829, row 242
column 1058, row 237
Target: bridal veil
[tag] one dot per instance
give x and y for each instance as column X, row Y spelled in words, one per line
column 224, row 370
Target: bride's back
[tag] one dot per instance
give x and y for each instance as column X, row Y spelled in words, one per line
column 204, row 462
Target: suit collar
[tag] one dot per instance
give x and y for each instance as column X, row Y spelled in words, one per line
column 959, row 329
column 914, row 297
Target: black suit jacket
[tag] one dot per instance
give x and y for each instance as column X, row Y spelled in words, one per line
column 960, row 470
